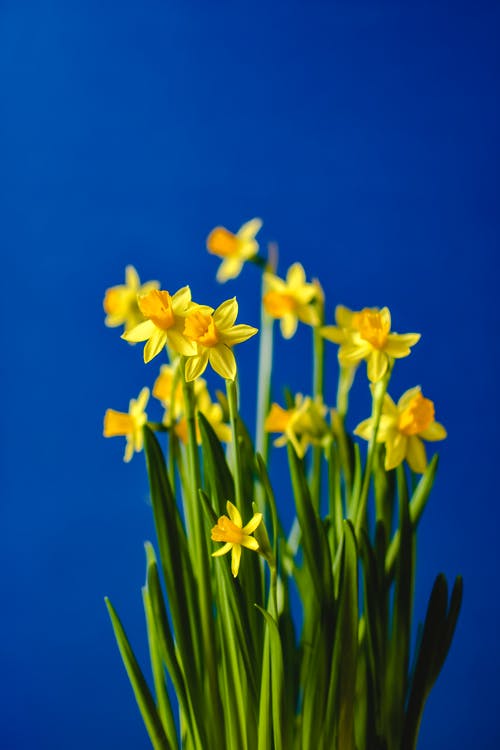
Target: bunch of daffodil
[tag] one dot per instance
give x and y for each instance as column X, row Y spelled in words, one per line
column 223, row 639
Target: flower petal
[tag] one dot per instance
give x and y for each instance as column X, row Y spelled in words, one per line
column 288, row 325
column 343, row 316
column 408, row 396
column 250, row 543
column 234, row 514
column 235, row 559
column 223, row 550
column 237, row 334
column 196, row 365
column 435, row 431
column 180, row 343
column 140, row 332
column 132, row 278
column 364, row 429
column 296, row 276
column 395, row 451
column 226, row 314
column 181, row 300
column 415, row 454
column 129, row 449
column 155, row 344
column 333, row 333
column 398, row 344
column 249, row 229
column 222, row 360
column 230, row 268
column 142, row 399
column 252, row 524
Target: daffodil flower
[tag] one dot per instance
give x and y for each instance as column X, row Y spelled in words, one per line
column 214, row 334
column 302, row 425
column 120, row 302
column 291, row 299
column 235, row 535
column 128, row 424
column 402, row 428
column 164, row 322
column 366, row 335
column 235, row 249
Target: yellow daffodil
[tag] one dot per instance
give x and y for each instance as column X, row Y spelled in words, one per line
column 235, row 249
column 402, row 428
column 235, row 535
column 120, row 302
column 129, row 425
column 164, row 322
column 304, row 424
column 367, row 335
column 214, row 334
column 169, row 395
column 292, row 299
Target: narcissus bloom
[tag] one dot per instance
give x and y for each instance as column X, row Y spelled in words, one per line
column 367, row 335
column 129, row 425
column 235, row 535
column 291, row 299
column 164, row 322
column 172, row 399
column 402, row 428
column 120, row 302
column 235, row 249
column 214, row 335
column 304, row 424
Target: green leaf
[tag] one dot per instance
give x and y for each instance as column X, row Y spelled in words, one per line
column 277, row 677
column 218, row 478
column 141, row 690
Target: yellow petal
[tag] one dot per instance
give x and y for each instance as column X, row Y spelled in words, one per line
column 250, row 543
column 155, row 344
column 237, row 334
column 230, row 268
column 308, row 314
column 181, row 300
column 234, row 514
column 117, row 423
column 129, row 450
column 223, row 550
column 222, row 242
column 343, row 316
column 296, row 276
column 180, row 344
column 252, row 524
column 132, row 278
column 376, row 365
column 226, row 314
column 354, row 351
column 288, row 325
column 398, row 345
column 435, row 431
column 195, row 366
column 333, row 333
column 140, row 332
column 415, row 454
column 249, row 229
column 235, row 559
column 395, row 451
column 222, row 360
column 364, row 429
column 408, row 396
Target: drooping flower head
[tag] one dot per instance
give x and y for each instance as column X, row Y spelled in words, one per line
column 168, row 390
column 120, row 302
column 302, row 425
column 235, row 249
column 214, row 335
column 292, row 299
column 366, row 335
column 402, row 428
column 235, row 535
column 164, row 324
column 128, row 424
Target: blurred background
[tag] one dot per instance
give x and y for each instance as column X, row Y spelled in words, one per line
column 365, row 134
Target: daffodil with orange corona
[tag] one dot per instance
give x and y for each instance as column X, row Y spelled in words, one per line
column 128, row 424
column 231, row 531
column 234, row 249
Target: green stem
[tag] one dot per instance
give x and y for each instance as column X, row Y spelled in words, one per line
column 199, row 547
column 318, row 377
column 379, row 391
column 232, row 399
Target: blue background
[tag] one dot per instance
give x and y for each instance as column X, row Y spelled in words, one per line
column 366, row 137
